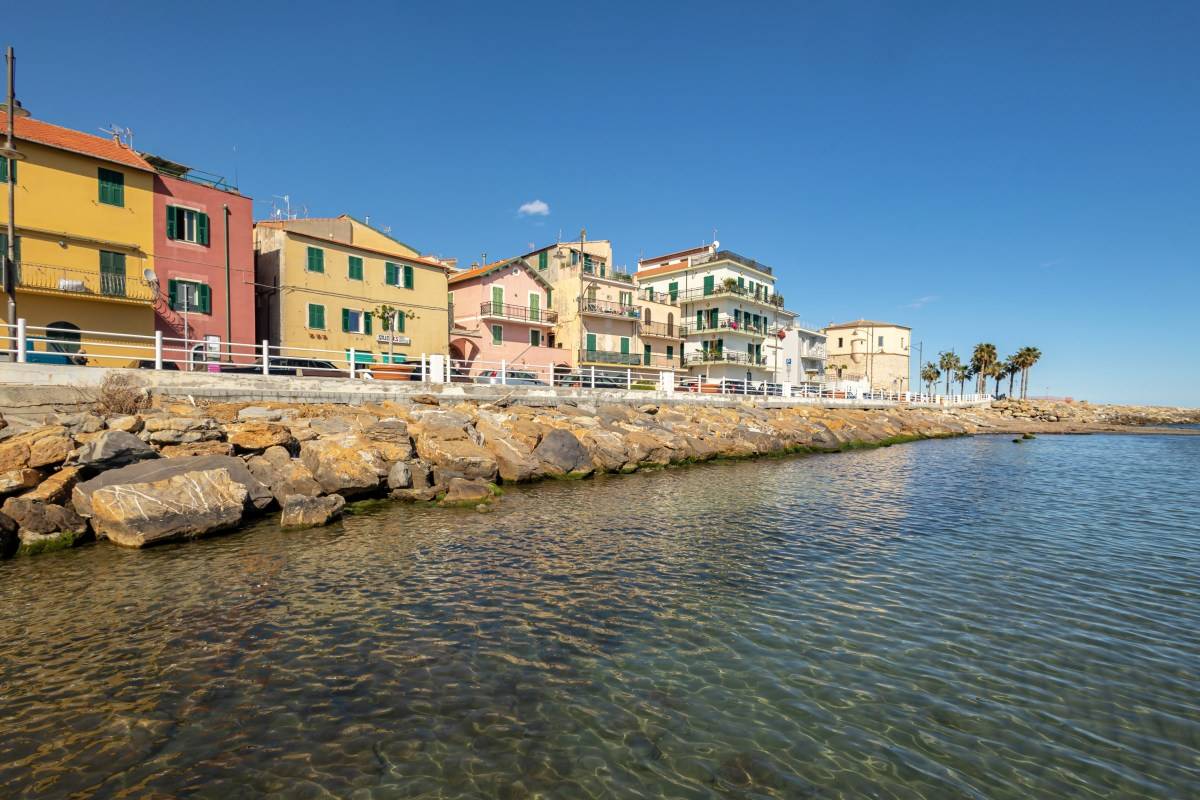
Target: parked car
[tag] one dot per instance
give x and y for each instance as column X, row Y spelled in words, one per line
column 586, row 380
column 300, row 367
column 512, row 377
column 148, row 363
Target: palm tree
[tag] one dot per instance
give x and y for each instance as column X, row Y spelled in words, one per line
column 930, row 374
column 948, row 363
column 982, row 359
column 997, row 372
column 1011, row 368
column 1028, row 356
column 962, row 374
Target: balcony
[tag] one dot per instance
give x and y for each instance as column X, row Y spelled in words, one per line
column 727, row 324
column 536, row 316
column 661, row 330
column 760, row 295
column 609, row 357
column 723, row 357
column 84, row 284
column 666, row 298
column 607, row 308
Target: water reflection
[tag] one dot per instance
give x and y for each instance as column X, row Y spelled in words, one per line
column 966, row 618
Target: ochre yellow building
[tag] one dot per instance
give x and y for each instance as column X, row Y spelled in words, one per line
column 321, row 280
column 85, row 237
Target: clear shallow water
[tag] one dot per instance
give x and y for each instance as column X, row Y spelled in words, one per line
column 967, row 618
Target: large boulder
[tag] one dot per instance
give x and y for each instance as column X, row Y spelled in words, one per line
column 37, row 447
column 561, row 455
column 209, row 448
column 514, row 459
column 400, row 476
column 420, row 480
column 258, row 496
column 345, row 465
column 9, row 540
column 390, row 437
column 113, row 449
column 254, row 437
column 301, row 511
column 283, row 474
column 57, row 488
column 445, row 439
column 463, row 492
column 183, row 506
column 18, row 480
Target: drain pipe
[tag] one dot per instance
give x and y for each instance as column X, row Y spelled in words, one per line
column 228, row 283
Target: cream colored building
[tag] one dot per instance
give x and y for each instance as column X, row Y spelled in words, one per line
column 320, row 280
column 878, row 352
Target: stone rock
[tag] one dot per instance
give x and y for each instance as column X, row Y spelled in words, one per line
column 164, row 429
column 284, row 475
column 183, row 506
column 129, row 424
column 425, row 399
column 260, row 413
column 258, row 496
column 300, row 511
column 422, row 488
column 209, row 448
column 443, row 441
column 9, row 540
column 258, row 436
column 400, row 476
column 50, row 450
column 16, row 480
column 55, row 489
column 83, row 422
column 37, row 517
column 113, row 449
column 348, row 465
column 463, row 492
column 561, row 455
column 18, row 450
column 514, row 461
column 391, row 439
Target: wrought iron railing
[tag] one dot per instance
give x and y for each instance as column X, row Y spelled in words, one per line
column 75, row 282
column 730, row 324
column 759, row 295
column 661, row 330
column 518, row 313
column 609, row 308
column 609, row 357
column 723, row 357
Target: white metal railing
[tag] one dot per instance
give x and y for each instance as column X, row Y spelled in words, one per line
column 36, row 344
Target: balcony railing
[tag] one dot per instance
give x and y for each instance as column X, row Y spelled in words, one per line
column 727, row 323
column 518, row 313
column 661, row 330
column 83, row 283
column 724, row 357
column 759, row 295
column 606, row 272
column 609, row 309
column 659, row 297
column 609, row 357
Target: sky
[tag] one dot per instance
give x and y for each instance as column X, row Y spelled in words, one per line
column 1019, row 173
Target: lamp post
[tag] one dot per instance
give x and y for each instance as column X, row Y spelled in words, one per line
column 12, row 109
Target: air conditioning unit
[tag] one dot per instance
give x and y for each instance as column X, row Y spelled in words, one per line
column 70, row 285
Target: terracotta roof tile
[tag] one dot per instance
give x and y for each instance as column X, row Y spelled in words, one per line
column 34, row 130
column 866, row 323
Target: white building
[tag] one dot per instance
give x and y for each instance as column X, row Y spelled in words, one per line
column 803, row 351
column 733, row 321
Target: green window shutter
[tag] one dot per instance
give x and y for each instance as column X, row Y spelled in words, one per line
column 316, row 316
column 646, row 355
column 408, row 276
column 673, row 290
column 699, row 319
column 708, row 284
column 534, row 310
column 591, row 342
column 4, row 162
column 497, row 334
column 399, row 322
column 112, row 187
column 367, row 322
column 316, row 259
column 741, row 282
column 205, row 299
column 391, row 274
column 624, row 345
column 171, row 222
column 549, row 298
column 543, row 258
column 670, row 352
column 173, row 294
column 202, row 229
column 345, row 320
column 355, row 267
column 535, row 337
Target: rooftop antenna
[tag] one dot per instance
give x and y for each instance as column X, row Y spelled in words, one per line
column 287, row 203
column 122, row 136
column 305, row 211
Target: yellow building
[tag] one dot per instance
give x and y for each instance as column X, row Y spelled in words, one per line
column 877, row 352
column 321, row 280
column 85, row 239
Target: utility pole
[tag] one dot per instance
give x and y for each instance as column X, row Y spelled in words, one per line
column 920, row 361
column 10, row 152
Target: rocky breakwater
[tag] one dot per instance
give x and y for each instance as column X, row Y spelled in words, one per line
column 180, row 471
column 1058, row 416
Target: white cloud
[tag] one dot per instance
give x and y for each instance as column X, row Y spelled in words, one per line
column 534, row 208
column 921, row 302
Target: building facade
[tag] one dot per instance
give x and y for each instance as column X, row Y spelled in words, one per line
column 204, row 259
column 803, row 356
column 731, row 316
column 321, row 282
column 877, row 352
column 85, row 242
column 503, row 312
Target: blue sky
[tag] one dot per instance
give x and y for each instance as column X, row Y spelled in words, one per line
column 1020, row 174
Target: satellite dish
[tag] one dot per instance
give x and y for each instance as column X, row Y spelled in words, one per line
column 716, row 245
column 149, row 277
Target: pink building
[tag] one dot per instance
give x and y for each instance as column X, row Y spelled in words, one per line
column 204, row 259
column 502, row 312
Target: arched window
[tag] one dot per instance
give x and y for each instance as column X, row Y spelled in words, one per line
column 646, row 314
column 670, row 324
column 62, row 337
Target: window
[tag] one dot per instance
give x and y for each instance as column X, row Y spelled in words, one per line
column 187, row 225
column 708, row 285
column 354, row 268
column 670, row 352
column 626, row 298
column 673, row 290
column 497, row 334
column 646, row 355
column 543, row 259
column 398, row 321
column 535, row 338
column 574, row 257
column 712, row 317
column 646, row 315
column 316, row 316
column 16, row 246
column 839, row 341
column 316, row 260
column 535, row 311
column 408, row 276
column 699, row 319
column 497, row 299
column 549, row 298
column 112, row 187
column 591, row 342
column 624, row 345
column 8, row 167
column 398, row 275
column 189, row 296
column 112, row 273
column 355, row 321
column 62, row 337
column 880, row 341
